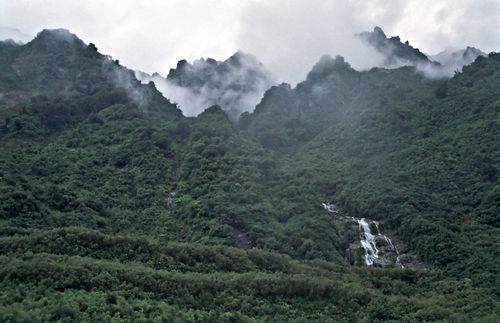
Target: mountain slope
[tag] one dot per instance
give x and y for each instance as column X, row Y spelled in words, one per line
column 104, row 160
column 420, row 156
column 332, row 95
column 114, row 206
column 57, row 64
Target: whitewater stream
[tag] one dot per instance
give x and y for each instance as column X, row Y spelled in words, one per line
column 368, row 238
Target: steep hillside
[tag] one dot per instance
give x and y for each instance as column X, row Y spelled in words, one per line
column 334, row 95
column 101, row 159
column 419, row 155
column 75, row 126
column 56, row 81
column 114, row 206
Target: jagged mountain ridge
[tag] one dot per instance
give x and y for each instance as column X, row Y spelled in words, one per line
column 236, row 84
column 396, row 53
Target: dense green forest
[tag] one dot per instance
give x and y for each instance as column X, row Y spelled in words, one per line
column 114, row 206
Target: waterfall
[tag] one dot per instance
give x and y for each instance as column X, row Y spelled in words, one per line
column 330, row 207
column 368, row 238
column 170, row 200
column 368, row 243
column 393, row 247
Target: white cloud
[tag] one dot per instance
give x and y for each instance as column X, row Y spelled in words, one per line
column 237, row 85
column 435, row 25
column 146, row 35
column 289, row 36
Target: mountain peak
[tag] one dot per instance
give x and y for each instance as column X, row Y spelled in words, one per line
column 241, row 57
column 328, row 65
column 393, row 49
column 59, row 34
column 378, row 32
column 50, row 38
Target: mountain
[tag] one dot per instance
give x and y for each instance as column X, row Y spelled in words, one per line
column 333, row 94
column 354, row 196
column 394, row 146
column 236, row 84
column 395, row 52
column 55, row 81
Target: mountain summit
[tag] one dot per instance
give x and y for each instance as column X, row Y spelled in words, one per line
column 395, row 52
column 54, row 36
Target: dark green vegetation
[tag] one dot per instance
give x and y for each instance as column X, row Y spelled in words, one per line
column 422, row 156
column 90, row 228
column 80, row 274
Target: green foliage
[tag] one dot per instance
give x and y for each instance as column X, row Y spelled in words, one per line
column 420, row 156
column 130, row 284
column 115, row 207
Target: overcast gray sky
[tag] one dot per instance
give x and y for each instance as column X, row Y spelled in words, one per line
column 288, row 36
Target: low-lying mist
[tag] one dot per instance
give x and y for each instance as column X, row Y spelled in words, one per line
column 236, row 84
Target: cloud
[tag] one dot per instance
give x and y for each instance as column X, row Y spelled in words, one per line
column 435, row 25
column 14, row 34
column 453, row 60
column 237, row 84
column 145, row 35
column 289, row 36
column 124, row 78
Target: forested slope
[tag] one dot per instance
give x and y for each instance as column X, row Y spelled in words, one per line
column 419, row 155
column 115, row 205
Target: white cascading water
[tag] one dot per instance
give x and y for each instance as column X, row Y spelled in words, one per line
column 393, row 247
column 330, row 207
column 368, row 241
